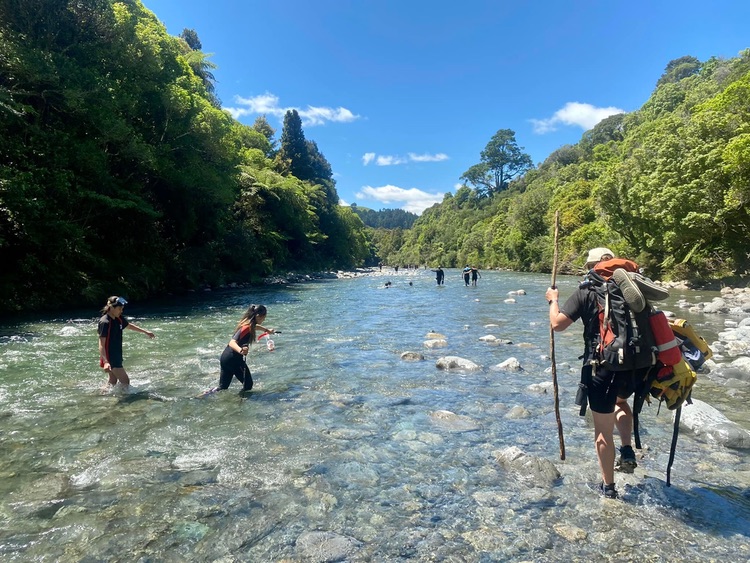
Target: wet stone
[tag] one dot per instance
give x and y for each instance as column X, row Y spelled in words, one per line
column 325, row 547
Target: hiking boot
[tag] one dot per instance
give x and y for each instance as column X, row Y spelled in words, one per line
column 608, row 491
column 626, row 463
column 633, row 296
column 649, row 289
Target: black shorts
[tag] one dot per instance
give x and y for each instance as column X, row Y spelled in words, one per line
column 606, row 386
column 115, row 360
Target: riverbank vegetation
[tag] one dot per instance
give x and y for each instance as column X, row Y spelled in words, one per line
column 119, row 172
column 668, row 185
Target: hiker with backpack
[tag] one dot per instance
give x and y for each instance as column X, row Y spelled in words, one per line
column 605, row 389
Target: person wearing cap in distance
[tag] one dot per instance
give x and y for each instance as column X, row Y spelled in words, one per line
column 607, row 390
column 111, row 326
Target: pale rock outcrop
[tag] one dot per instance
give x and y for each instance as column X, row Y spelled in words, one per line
column 704, row 420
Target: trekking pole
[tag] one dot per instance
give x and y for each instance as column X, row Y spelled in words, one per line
column 552, row 347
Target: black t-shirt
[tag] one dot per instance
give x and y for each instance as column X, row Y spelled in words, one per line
column 583, row 305
column 111, row 329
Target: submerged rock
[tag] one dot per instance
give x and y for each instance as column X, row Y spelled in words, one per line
column 324, row 547
column 454, row 422
column 412, row 356
column 531, row 470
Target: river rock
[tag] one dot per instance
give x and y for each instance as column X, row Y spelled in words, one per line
column 412, row 356
column 704, row 420
column 718, row 305
column 432, row 335
column 326, row 547
column 454, row 422
column 544, row 387
column 511, row 364
column 454, row 362
column 738, row 369
column 437, row 343
column 570, row 533
column 518, row 412
column 531, row 470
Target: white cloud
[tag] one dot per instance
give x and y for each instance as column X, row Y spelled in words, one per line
column 412, row 200
column 584, row 116
column 383, row 160
column 390, row 160
column 268, row 104
column 428, row 157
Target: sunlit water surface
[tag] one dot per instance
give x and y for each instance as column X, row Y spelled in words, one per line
column 339, row 436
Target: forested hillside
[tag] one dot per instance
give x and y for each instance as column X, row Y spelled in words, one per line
column 385, row 218
column 667, row 185
column 120, row 174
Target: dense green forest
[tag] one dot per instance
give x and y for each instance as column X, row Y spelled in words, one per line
column 667, row 185
column 385, row 218
column 119, row 172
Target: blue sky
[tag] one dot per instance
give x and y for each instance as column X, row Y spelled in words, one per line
column 402, row 96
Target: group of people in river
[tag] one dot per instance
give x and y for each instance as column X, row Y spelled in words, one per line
column 112, row 325
column 470, row 275
column 608, row 391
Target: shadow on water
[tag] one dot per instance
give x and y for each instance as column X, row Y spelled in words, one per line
column 718, row 511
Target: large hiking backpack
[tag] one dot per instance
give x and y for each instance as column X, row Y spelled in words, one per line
column 643, row 342
column 623, row 340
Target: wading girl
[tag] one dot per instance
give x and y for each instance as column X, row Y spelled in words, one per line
column 233, row 358
column 111, row 326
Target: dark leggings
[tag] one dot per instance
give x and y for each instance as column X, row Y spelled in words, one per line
column 233, row 365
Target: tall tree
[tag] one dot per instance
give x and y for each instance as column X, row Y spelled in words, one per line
column 191, row 38
column 677, row 69
column 501, row 161
column 294, row 148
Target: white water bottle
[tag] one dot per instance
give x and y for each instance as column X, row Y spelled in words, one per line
column 270, row 345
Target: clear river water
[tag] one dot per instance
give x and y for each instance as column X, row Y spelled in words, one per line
column 341, row 452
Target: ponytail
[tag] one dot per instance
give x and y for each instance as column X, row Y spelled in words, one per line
column 250, row 318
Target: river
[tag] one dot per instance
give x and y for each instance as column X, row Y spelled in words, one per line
column 338, row 454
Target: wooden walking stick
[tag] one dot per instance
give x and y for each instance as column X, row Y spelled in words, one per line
column 552, row 347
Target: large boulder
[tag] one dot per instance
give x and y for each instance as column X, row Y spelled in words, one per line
column 704, row 420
